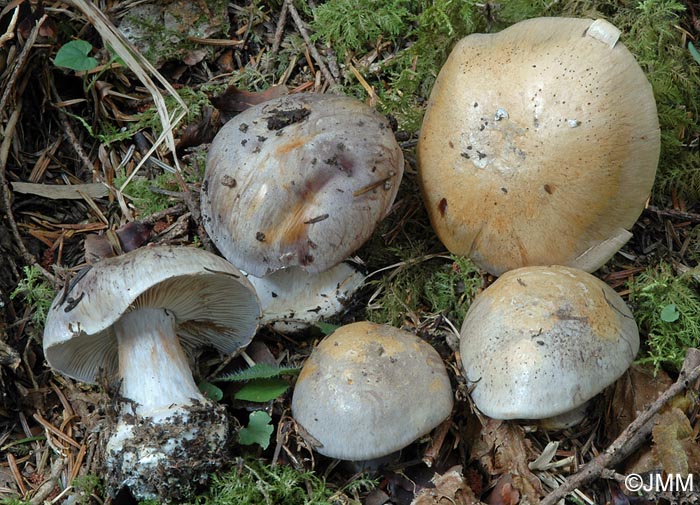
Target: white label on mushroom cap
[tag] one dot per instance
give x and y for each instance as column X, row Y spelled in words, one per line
column 604, row 31
column 573, row 123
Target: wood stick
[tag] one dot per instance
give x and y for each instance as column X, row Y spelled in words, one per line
column 612, row 455
column 312, row 48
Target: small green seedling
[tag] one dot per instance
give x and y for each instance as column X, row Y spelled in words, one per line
column 258, row 431
column 669, row 313
column 264, row 384
column 694, row 52
column 75, row 56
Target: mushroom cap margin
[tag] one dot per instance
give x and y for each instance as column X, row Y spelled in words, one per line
column 213, row 302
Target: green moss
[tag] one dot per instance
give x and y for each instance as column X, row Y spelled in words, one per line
column 38, row 294
column 352, row 26
column 666, row 307
column 253, row 482
column 450, row 290
column 425, row 285
column 140, row 191
column 85, row 486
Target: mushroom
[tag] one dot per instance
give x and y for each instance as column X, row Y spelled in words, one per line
column 539, row 145
column 293, row 299
column 133, row 317
column 542, row 341
column 368, row 390
column 300, row 180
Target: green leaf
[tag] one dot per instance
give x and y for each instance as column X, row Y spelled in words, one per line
column 694, row 52
column 74, row 55
column 326, row 328
column 211, row 391
column 257, row 371
column 262, row 390
column 669, row 313
column 258, row 431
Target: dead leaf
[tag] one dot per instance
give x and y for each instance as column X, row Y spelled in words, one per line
column 504, row 492
column 674, row 446
column 127, row 238
column 201, row 132
column 62, row 191
column 450, row 487
column 633, row 392
column 235, row 100
column 503, row 449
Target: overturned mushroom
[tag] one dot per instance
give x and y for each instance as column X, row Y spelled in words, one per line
column 539, row 145
column 132, row 318
column 368, row 390
column 293, row 299
column 542, row 341
column 301, row 180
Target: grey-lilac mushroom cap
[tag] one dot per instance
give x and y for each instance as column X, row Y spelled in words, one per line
column 541, row 341
column 539, row 145
column 301, row 180
column 212, row 302
column 368, row 390
column 293, row 299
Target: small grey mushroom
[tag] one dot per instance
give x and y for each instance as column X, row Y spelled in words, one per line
column 369, row 390
column 293, row 299
column 300, row 180
column 539, row 145
column 540, row 342
column 133, row 318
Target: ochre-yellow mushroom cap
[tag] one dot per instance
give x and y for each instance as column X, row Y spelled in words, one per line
column 539, row 145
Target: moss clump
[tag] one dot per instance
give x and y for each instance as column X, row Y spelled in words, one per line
column 426, row 285
column 253, row 482
column 144, row 194
column 37, row 293
column 667, row 309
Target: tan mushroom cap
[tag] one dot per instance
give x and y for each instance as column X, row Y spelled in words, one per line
column 300, row 180
column 539, row 145
column 212, row 303
column 368, row 390
column 541, row 341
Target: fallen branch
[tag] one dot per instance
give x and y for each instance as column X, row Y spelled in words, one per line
column 312, row 48
column 622, row 444
column 674, row 214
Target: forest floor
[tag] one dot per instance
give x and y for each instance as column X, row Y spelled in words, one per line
column 89, row 116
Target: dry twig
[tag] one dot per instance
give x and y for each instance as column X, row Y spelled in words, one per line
column 621, row 446
column 312, row 48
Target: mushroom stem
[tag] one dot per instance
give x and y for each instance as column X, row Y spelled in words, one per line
column 167, row 430
column 152, row 364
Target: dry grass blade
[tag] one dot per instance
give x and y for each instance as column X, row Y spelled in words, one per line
column 143, row 70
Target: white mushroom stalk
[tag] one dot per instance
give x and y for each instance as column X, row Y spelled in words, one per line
column 165, row 413
column 133, row 319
